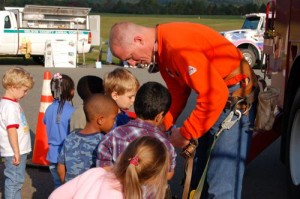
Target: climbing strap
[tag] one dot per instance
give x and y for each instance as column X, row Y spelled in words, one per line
column 226, row 124
column 188, row 153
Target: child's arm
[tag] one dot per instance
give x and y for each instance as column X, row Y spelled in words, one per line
column 13, row 140
column 61, row 170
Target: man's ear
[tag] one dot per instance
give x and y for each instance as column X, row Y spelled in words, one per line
column 138, row 39
column 114, row 95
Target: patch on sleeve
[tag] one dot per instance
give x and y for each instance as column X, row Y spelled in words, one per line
column 192, row 70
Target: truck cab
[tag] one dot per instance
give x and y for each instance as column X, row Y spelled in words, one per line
column 249, row 39
column 24, row 31
column 8, row 39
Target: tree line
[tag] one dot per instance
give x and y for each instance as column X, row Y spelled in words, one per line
column 175, row 7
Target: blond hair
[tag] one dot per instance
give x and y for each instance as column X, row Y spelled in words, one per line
column 149, row 170
column 121, row 81
column 17, row 77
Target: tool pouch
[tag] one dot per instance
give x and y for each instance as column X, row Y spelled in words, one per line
column 267, row 101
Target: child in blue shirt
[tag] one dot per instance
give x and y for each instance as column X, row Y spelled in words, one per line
column 80, row 148
column 86, row 86
column 57, row 119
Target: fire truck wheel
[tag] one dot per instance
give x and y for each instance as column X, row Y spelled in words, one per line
column 249, row 56
column 293, row 163
column 39, row 59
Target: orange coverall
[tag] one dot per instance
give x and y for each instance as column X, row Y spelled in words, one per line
column 194, row 57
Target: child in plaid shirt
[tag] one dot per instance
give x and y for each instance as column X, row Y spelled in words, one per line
column 152, row 102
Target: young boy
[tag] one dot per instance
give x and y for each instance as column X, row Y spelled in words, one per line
column 15, row 141
column 122, row 86
column 151, row 104
column 79, row 150
column 87, row 85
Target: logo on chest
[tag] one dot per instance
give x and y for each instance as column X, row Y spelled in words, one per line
column 192, row 70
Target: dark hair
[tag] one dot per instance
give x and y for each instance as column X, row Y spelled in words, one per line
column 151, row 99
column 61, row 89
column 98, row 103
column 88, row 85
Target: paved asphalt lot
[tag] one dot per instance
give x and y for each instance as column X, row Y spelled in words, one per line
column 264, row 177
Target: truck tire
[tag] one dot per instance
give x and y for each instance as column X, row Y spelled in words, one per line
column 39, row 59
column 249, row 56
column 293, row 144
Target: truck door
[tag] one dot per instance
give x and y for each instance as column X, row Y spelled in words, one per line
column 9, row 34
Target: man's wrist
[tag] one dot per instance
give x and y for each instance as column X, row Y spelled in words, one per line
column 185, row 134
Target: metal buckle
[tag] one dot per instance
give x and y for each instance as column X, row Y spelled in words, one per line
column 243, row 105
column 189, row 150
column 231, row 101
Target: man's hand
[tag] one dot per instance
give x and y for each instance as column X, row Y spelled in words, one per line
column 177, row 139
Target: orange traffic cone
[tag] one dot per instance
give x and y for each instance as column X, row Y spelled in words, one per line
column 41, row 141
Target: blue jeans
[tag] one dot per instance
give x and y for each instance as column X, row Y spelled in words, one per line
column 53, row 170
column 227, row 161
column 14, row 177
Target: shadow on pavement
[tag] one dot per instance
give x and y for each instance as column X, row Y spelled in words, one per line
column 17, row 61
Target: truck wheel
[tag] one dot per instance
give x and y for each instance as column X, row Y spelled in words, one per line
column 39, row 59
column 293, row 163
column 249, row 56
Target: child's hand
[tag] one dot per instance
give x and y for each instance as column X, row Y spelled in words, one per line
column 17, row 159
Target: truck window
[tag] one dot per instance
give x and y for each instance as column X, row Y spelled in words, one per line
column 251, row 23
column 7, row 22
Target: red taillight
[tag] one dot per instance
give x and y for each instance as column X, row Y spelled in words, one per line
column 90, row 38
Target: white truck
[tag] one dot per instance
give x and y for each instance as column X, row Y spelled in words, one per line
column 25, row 31
column 249, row 39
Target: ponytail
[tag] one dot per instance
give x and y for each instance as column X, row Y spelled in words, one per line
column 132, row 184
column 142, row 168
column 61, row 89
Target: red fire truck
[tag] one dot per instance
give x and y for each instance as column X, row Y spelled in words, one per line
column 283, row 67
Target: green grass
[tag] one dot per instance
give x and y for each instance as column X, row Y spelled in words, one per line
column 219, row 23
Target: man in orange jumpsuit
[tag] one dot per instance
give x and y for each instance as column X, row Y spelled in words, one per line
column 194, row 57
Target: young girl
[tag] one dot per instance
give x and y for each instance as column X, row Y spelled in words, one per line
column 140, row 172
column 57, row 119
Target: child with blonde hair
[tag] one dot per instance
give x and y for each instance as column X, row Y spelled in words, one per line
column 122, row 86
column 15, row 142
column 140, row 172
column 57, row 119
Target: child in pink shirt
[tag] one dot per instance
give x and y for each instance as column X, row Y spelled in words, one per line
column 140, row 172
